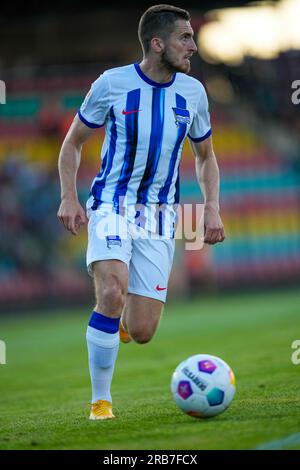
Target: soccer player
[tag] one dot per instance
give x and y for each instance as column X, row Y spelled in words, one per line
column 148, row 109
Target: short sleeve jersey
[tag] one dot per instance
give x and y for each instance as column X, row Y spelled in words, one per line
column 146, row 124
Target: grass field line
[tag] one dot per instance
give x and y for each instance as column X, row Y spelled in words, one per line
column 278, row 444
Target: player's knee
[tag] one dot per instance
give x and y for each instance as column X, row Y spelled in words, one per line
column 141, row 336
column 112, row 298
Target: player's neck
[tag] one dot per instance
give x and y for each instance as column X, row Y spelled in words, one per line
column 156, row 72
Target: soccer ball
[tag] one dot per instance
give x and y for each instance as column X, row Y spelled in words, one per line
column 203, row 386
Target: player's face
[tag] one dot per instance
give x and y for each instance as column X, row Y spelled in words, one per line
column 179, row 48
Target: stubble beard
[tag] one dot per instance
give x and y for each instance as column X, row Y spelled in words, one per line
column 171, row 66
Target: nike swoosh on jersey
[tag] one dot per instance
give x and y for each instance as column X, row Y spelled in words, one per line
column 131, row 112
column 160, row 288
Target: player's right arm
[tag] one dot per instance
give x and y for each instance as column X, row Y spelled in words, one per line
column 70, row 211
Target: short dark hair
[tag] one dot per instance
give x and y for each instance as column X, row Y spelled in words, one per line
column 159, row 20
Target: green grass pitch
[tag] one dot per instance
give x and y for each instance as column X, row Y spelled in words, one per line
column 45, row 389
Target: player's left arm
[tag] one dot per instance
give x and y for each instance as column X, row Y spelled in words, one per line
column 208, row 177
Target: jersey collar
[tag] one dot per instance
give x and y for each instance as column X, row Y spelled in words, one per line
column 152, row 82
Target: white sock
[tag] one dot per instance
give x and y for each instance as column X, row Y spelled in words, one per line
column 103, row 344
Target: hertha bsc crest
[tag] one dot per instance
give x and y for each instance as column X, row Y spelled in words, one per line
column 182, row 116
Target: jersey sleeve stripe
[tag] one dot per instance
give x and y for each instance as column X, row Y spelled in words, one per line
column 87, row 123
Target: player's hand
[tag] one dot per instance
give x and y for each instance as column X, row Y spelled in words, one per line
column 72, row 215
column 213, row 226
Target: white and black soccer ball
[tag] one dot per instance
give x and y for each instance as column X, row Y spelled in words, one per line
column 203, row 386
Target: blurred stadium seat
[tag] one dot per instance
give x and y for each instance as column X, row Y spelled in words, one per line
column 260, row 184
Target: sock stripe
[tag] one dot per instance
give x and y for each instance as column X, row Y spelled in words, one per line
column 103, row 323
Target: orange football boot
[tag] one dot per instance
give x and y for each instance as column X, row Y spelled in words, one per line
column 124, row 336
column 102, row 409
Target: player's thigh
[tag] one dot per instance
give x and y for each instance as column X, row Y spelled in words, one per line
column 141, row 316
column 149, row 272
column 108, row 257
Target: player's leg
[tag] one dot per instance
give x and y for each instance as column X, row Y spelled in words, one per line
column 110, row 280
column 141, row 317
column 149, row 272
column 107, row 261
column 111, row 284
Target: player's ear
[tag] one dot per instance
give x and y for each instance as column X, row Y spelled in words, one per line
column 157, row 45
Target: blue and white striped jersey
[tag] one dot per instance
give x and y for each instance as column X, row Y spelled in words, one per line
column 145, row 127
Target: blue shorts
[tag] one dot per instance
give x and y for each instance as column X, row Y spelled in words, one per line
column 148, row 256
